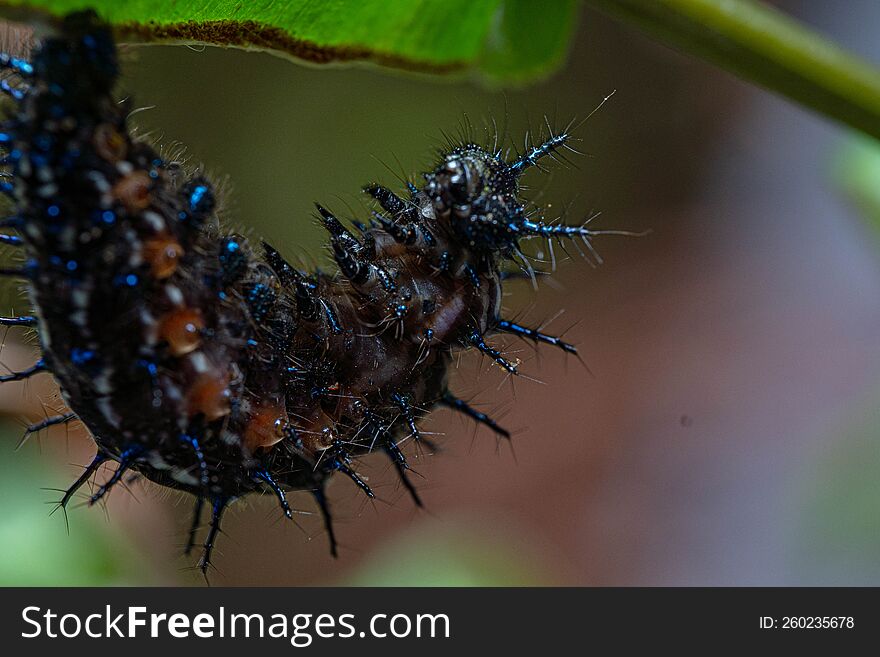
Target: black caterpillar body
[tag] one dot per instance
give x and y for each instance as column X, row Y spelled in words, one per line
column 211, row 365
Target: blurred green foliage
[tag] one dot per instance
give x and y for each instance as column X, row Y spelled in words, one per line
column 461, row 557
column 856, row 170
column 37, row 550
column 838, row 521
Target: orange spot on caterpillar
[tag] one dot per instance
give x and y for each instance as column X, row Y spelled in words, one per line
column 209, row 396
column 181, row 329
column 265, row 427
column 318, row 433
column 133, row 191
column 163, row 253
column 109, row 143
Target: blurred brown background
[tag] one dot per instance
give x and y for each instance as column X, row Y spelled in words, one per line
column 728, row 432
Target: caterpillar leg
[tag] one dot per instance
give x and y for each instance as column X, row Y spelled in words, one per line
column 451, row 401
column 506, row 326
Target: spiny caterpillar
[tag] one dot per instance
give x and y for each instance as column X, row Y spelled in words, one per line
column 211, row 365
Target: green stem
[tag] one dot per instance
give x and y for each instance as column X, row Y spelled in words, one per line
column 764, row 46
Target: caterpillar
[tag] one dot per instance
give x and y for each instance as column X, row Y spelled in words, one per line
column 208, row 363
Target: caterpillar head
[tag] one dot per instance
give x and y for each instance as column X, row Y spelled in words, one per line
column 476, row 190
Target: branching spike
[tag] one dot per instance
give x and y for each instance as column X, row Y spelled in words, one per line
column 338, row 231
column 405, row 407
column 90, row 470
column 321, row 498
column 126, row 460
column 462, row 406
column 45, row 424
column 40, row 366
column 24, row 320
column 194, row 525
column 533, row 334
column 531, row 157
column 477, row 340
column 218, row 506
column 401, row 465
column 399, row 209
column 338, row 460
column 263, row 475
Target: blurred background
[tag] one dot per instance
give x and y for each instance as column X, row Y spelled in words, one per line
column 728, row 429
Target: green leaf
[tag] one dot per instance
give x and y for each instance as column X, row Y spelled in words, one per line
column 507, row 39
column 528, row 37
